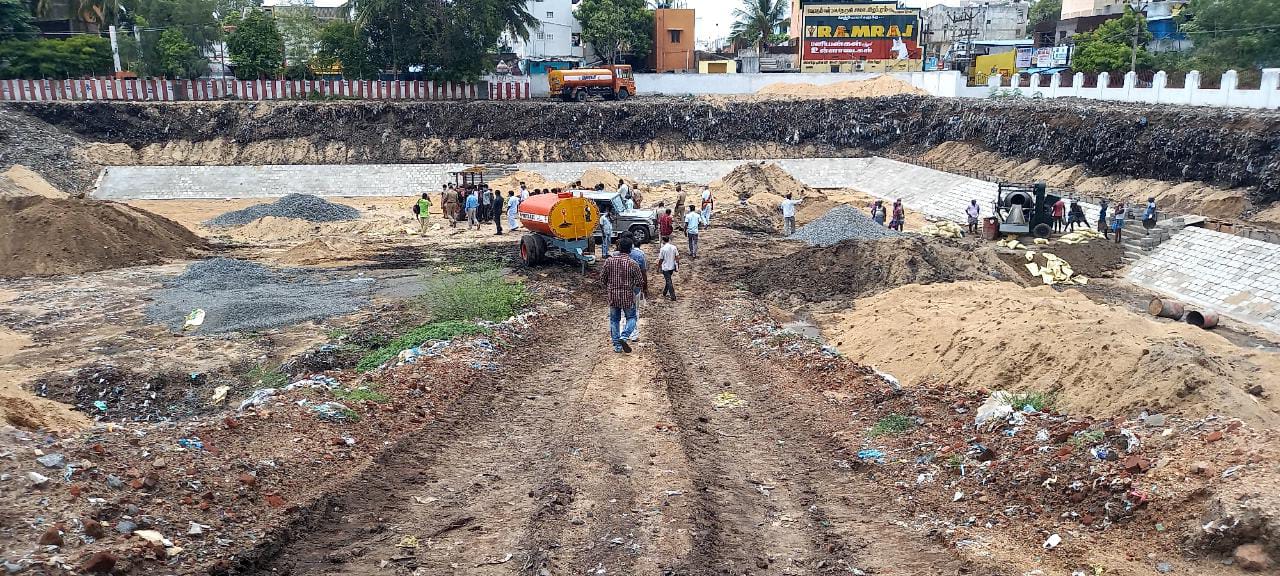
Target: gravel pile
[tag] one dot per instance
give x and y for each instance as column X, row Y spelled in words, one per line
column 839, row 224
column 240, row 296
column 300, row 206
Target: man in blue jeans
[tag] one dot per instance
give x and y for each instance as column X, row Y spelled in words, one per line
column 621, row 277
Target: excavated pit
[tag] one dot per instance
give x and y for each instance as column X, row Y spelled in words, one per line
column 1225, row 146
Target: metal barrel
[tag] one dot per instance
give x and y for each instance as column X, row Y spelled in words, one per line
column 1165, row 308
column 1204, row 320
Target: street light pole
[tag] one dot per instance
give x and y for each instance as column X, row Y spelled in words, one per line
column 1137, row 33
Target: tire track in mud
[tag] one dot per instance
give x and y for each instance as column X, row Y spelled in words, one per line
column 772, row 497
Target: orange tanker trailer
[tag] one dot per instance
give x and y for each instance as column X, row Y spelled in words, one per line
column 562, row 222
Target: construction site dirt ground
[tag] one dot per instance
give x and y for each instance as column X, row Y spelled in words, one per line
column 730, row 441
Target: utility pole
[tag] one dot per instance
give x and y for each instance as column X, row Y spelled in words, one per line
column 1137, row 33
column 967, row 16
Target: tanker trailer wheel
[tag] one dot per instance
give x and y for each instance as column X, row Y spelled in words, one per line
column 580, row 95
column 623, row 94
column 529, row 253
column 1041, row 230
column 641, row 234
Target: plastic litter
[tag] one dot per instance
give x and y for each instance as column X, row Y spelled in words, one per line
column 1042, row 435
column 1133, row 442
column 728, row 399
column 193, row 320
column 258, row 398
column 996, row 407
column 1052, row 542
column 191, row 443
column 332, row 411
column 100, row 405
column 871, row 454
column 219, row 394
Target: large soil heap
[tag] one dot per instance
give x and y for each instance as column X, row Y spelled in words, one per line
column 42, row 236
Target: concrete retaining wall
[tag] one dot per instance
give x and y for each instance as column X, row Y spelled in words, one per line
column 1233, row 276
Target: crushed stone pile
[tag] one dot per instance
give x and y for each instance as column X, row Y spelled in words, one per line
column 878, row 86
column 298, row 206
column 842, row 223
column 241, row 296
column 863, row 267
column 41, row 236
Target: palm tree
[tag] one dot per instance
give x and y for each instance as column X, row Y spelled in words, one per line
column 98, row 14
column 757, row 20
column 515, row 18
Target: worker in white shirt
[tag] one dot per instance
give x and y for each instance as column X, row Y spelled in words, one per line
column 789, row 215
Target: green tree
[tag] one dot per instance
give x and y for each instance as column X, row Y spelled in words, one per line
column 255, row 46
column 70, row 58
column 16, row 22
column 1044, row 11
column 1110, row 47
column 178, row 56
column 301, row 32
column 343, row 43
column 449, row 39
column 616, row 27
column 756, row 21
column 1233, row 34
column 98, row 14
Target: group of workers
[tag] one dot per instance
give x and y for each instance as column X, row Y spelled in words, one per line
column 477, row 205
column 1067, row 216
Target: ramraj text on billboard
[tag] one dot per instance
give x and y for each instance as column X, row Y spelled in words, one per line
column 874, row 37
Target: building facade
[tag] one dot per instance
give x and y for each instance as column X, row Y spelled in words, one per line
column 555, row 43
column 859, row 36
column 947, row 27
column 673, row 41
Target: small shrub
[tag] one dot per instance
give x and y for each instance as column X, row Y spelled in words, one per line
column 424, row 333
column 360, row 395
column 476, row 295
column 266, row 377
column 892, row 424
column 1041, row 401
column 1086, row 438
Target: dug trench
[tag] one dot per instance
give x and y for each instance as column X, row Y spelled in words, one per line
column 609, row 463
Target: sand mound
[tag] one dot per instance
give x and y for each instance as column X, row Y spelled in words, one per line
column 270, row 229
column 594, row 176
column 45, row 236
column 858, row 268
column 532, row 181
column 1099, row 359
column 878, row 86
column 19, row 180
column 747, row 180
column 320, row 251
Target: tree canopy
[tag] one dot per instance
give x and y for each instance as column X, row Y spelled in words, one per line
column 343, row 43
column 41, row 58
column 16, row 22
column 256, row 46
column 447, row 39
column 617, row 27
column 1110, row 47
column 1233, row 34
column 757, row 21
column 1044, row 11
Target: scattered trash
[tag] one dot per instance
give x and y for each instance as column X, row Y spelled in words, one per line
column 193, row 320
column 37, row 479
column 504, row 560
column 893, row 382
column 1164, row 567
column 195, row 529
column 219, row 394
column 332, row 411
column 1052, row 542
column 996, row 407
column 52, row 460
column 871, row 454
column 1042, row 435
column 958, row 497
column 1132, row 440
column 100, row 405
column 409, row 541
column 191, row 443
column 258, row 398
column 728, row 399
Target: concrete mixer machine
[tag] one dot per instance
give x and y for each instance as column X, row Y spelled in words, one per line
column 563, row 222
column 1024, row 209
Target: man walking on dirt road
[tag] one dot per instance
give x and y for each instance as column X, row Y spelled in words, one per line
column 621, row 277
column 473, row 204
column 669, row 262
column 692, row 222
column 423, row 211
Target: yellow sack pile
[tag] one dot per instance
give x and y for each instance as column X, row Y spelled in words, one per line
column 1082, row 236
column 1011, row 242
column 1054, row 270
column 943, row 229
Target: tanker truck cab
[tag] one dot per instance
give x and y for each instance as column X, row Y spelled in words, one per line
column 613, row 81
column 641, row 223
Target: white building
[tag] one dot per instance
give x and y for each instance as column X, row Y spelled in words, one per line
column 555, row 42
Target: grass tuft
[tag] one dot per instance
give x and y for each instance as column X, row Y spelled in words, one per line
column 478, row 294
column 1041, row 401
column 892, row 424
column 415, row 337
column 266, row 376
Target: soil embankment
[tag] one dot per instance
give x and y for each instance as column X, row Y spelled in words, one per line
column 1106, row 138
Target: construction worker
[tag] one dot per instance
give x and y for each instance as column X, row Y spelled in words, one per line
column 1103, row 226
column 1059, row 213
column 1075, row 215
column 899, row 216
column 693, row 223
column 606, row 234
column 973, row 211
column 708, row 204
column 621, row 277
column 472, row 205
column 449, row 204
column 668, row 263
column 789, row 215
column 513, row 207
column 1117, row 221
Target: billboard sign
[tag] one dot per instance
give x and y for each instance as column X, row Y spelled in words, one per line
column 1023, row 59
column 871, row 37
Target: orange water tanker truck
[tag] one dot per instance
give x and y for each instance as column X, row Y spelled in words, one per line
column 615, row 82
column 563, row 222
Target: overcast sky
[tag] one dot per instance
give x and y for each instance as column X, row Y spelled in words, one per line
column 712, row 12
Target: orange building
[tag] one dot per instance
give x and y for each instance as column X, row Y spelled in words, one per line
column 673, row 38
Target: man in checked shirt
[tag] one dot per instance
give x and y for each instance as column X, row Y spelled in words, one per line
column 622, row 278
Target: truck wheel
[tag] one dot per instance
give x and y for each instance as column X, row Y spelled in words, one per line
column 1041, row 230
column 528, row 251
column 641, row 234
column 580, row 95
column 539, row 248
column 623, row 94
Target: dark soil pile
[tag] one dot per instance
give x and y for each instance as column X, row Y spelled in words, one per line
column 1095, row 259
column 48, row 236
column 857, row 268
column 52, row 152
column 115, row 394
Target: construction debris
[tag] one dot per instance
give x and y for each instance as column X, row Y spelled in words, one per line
column 840, row 224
